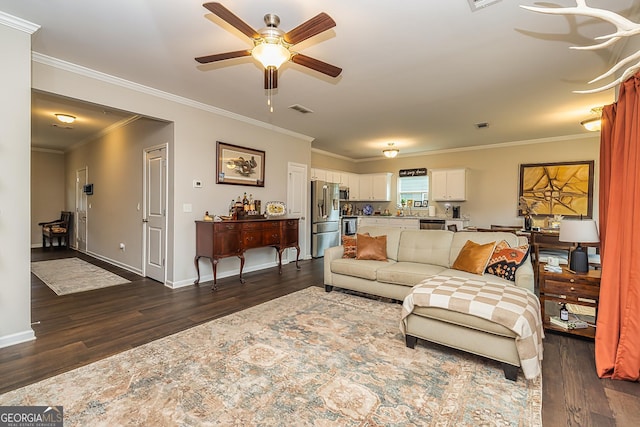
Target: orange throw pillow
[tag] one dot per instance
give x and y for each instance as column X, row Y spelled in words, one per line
column 473, row 257
column 369, row 247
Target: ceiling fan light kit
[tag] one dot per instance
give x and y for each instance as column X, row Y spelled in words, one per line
column 272, row 45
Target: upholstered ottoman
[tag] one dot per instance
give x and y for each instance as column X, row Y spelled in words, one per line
column 492, row 320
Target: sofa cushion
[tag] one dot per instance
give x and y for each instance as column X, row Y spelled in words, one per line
column 425, row 246
column 365, row 269
column 505, row 260
column 474, row 257
column 371, row 247
column 460, row 238
column 393, row 237
column 407, row 273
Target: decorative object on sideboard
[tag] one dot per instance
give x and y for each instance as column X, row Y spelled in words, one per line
column 560, row 188
column 239, row 165
column 625, row 28
column 579, row 231
column 391, row 151
column 527, row 209
column 275, row 208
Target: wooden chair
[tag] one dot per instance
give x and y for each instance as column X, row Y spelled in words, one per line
column 60, row 229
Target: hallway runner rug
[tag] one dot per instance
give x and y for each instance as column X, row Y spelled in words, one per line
column 70, row 275
column 306, row 359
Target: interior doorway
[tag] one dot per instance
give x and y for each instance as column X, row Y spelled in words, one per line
column 80, row 241
column 155, row 213
column 297, row 205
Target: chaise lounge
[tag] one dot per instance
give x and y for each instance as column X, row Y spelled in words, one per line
column 413, row 256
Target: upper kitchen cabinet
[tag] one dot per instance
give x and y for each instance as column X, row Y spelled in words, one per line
column 375, row 187
column 325, row 175
column 449, row 185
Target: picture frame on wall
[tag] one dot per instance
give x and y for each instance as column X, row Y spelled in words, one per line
column 239, row 165
column 561, row 188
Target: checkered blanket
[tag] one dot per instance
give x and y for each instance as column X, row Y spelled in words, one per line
column 514, row 308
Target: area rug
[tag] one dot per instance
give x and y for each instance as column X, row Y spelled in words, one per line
column 70, row 275
column 306, row 359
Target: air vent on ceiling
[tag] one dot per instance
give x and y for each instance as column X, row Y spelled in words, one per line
column 480, row 4
column 482, row 125
column 300, row 109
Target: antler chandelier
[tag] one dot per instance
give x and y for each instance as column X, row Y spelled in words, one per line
column 625, row 28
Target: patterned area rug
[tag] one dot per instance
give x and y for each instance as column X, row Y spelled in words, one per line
column 71, row 275
column 308, row 358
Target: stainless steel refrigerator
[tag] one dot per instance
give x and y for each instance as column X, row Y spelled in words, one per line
column 325, row 213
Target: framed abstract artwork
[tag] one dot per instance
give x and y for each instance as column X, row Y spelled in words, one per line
column 564, row 188
column 239, row 165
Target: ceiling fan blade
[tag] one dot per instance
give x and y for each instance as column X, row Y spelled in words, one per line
column 315, row 64
column 316, row 25
column 223, row 56
column 226, row 15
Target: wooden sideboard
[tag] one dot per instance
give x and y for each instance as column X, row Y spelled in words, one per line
column 222, row 239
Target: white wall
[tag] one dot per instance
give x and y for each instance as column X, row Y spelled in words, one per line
column 196, row 130
column 15, row 150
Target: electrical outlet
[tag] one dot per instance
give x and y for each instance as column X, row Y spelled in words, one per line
column 122, row 247
column 197, row 183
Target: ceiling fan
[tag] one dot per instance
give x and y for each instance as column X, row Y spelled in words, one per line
column 272, row 45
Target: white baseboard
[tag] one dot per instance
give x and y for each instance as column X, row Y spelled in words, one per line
column 17, row 338
column 221, row 275
column 116, row 263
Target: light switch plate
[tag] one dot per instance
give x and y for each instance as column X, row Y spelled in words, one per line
column 187, row 207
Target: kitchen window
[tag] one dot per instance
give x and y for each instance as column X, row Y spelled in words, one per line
column 414, row 188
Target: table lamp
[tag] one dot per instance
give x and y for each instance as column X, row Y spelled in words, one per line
column 579, row 231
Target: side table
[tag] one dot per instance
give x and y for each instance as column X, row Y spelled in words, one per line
column 568, row 287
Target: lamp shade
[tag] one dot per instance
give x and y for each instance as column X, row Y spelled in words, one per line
column 578, row 231
column 271, row 54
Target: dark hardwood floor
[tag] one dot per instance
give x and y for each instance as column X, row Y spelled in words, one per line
column 77, row 329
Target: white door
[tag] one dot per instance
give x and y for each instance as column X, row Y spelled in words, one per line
column 297, row 205
column 155, row 213
column 81, row 211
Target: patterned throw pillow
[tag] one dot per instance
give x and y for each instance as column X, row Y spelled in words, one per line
column 349, row 243
column 505, row 260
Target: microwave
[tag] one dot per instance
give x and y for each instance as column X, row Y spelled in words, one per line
column 344, row 193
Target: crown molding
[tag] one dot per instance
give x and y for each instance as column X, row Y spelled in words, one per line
column 589, row 135
column 18, row 23
column 98, row 75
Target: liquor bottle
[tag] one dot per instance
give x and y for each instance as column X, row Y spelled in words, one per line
column 252, row 205
column 245, row 202
column 232, row 207
column 564, row 313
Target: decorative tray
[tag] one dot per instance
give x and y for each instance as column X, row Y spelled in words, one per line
column 275, row 208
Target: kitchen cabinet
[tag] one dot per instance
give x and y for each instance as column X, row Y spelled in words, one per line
column 352, row 181
column 375, row 187
column 449, row 185
column 326, row 175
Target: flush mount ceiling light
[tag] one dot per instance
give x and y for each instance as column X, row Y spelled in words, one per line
column 594, row 123
column 390, row 152
column 65, row 118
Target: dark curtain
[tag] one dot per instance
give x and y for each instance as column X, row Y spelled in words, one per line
column 617, row 341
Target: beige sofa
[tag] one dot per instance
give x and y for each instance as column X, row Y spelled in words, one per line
column 414, row 255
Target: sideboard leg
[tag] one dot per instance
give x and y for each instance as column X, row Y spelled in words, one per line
column 195, row 261
column 241, row 256
column 214, row 265
column 297, row 257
